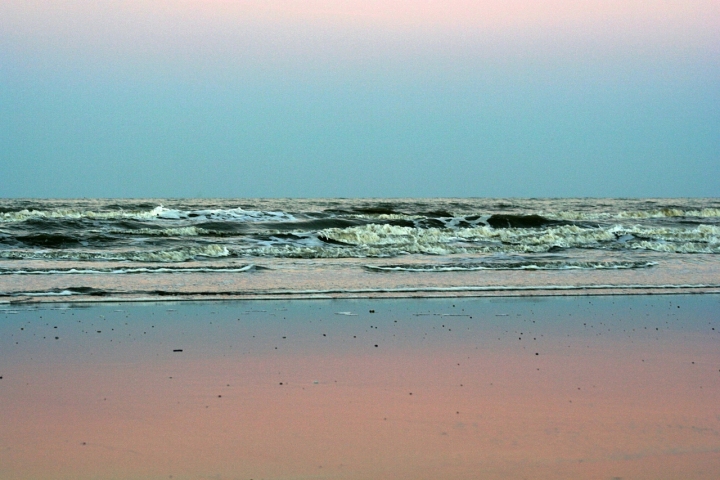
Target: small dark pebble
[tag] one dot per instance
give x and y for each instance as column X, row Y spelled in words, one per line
column 372, row 311
column 375, row 346
column 536, row 353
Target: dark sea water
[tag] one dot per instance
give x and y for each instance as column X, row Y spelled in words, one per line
column 110, row 249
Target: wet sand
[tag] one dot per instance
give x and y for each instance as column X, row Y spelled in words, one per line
column 539, row 388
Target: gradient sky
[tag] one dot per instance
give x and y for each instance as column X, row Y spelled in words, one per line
column 333, row 98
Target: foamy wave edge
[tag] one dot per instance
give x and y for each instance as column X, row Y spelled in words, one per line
column 501, row 290
column 161, row 256
column 127, row 271
column 159, row 212
column 631, row 214
column 429, row 268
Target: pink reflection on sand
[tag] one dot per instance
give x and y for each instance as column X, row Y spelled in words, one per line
column 600, row 410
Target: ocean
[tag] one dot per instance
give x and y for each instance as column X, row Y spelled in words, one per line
column 174, row 249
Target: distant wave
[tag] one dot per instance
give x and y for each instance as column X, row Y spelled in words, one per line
column 233, row 214
column 159, row 212
column 174, row 255
column 496, row 220
column 636, row 214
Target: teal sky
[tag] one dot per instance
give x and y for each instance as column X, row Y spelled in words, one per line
column 349, row 99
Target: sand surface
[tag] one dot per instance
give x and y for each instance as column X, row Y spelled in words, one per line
column 620, row 387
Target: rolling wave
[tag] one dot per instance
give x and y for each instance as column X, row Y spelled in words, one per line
column 701, row 239
column 159, row 212
column 636, row 214
column 386, row 240
column 138, row 232
column 174, row 255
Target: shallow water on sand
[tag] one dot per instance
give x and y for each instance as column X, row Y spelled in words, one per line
column 578, row 387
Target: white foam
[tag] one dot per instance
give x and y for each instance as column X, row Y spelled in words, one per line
column 121, row 271
column 63, row 293
column 701, row 239
column 631, row 214
column 233, row 214
column 510, row 266
column 70, row 214
column 159, row 212
column 174, row 255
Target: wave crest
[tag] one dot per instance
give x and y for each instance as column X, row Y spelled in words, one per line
column 165, row 256
column 159, row 212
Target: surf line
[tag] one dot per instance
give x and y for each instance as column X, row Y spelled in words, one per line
column 488, row 288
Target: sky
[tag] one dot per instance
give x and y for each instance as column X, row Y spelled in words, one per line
column 351, row 98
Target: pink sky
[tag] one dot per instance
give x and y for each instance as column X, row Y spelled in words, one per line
column 259, row 25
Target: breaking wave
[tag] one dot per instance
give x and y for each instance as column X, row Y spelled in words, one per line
column 385, row 240
column 173, row 255
column 232, row 214
column 389, row 238
column 159, row 212
column 636, row 214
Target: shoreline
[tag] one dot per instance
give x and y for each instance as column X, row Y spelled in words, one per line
column 400, row 293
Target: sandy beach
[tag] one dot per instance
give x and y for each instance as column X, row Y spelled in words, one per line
column 546, row 387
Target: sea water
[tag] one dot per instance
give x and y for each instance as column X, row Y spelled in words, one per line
column 111, row 249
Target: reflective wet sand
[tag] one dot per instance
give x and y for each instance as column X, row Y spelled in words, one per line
column 581, row 387
column 351, row 277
